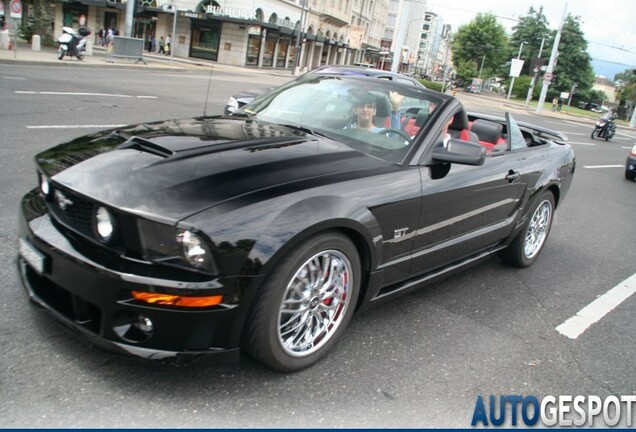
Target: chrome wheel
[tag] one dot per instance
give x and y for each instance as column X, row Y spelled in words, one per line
column 538, row 228
column 314, row 303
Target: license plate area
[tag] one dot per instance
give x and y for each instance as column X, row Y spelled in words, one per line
column 31, row 255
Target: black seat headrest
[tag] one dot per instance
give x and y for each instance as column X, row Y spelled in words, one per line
column 460, row 121
column 488, row 131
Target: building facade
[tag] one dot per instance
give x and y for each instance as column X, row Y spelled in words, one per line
column 264, row 34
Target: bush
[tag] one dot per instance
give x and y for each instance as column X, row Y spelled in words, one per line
column 26, row 32
column 433, row 85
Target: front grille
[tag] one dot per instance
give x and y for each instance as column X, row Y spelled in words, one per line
column 74, row 211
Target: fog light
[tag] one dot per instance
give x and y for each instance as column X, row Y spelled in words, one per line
column 133, row 327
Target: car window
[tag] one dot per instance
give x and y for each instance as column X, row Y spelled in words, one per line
column 360, row 112
column 515, row 136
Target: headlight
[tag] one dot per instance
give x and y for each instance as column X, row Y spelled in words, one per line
column 194, row 249
column 104, row 224
column 232, row 102
column 165, row 244
column 634, row 150
column 45, row 185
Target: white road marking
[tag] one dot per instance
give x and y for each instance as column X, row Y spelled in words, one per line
column 581, row 143
column 596, row 310
column 49, row 93
column 576, row 133
column 603, row 166
column 73, row 126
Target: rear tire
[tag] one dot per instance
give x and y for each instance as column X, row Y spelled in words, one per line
column 305, row 304
column 529, row 243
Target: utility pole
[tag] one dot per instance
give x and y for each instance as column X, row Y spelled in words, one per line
column 298, row 36
column 534, row 78
column 549, row 69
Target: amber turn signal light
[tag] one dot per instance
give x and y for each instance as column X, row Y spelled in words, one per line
column 175, row 300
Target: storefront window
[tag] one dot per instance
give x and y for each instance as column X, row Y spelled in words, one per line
column 270, row 44
column 205, row 39
column 283, row 43
column 73, row 14
column 253, row 49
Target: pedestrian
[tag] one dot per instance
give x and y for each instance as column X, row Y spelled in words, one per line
column 153, row 44
column 555, row 101
column 161, row 46
column 168, row 45
column 560, row 104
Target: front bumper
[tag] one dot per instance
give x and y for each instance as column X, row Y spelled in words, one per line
column 97, row 301
column 630, row 164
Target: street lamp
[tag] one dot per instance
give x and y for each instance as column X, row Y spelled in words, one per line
column 512, row 83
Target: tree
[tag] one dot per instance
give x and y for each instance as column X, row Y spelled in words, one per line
column 483, row 40
column 574, row 64
column 532, row 30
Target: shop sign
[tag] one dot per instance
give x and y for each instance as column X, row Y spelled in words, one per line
column 285, row 23
column 191, row 14
column 231, row 12
column 254, row 30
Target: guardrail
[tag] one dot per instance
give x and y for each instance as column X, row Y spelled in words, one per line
column 126, row 47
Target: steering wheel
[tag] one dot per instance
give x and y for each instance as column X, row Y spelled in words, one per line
column 400, row 132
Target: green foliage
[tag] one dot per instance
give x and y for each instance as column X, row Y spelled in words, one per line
column 483, row 40
column 532, row 30
column 465, row 71
column 522, row 84
column 26, row 31
column 433, row 85
column 626, row 85
column 574, row 64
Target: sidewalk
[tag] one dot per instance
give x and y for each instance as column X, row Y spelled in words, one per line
column 47, row 56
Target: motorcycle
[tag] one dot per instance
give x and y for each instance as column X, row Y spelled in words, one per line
column 605, row 127
column 72, row 43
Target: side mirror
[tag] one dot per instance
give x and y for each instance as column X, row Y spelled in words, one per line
column 461, row 152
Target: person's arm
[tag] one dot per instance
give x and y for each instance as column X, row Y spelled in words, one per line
column 396, row 101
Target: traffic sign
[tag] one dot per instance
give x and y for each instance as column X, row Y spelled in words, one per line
column 15, row 9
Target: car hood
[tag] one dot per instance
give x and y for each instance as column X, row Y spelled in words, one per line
column 179, row 167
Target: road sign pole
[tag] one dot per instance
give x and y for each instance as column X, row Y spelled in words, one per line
column 548, row 72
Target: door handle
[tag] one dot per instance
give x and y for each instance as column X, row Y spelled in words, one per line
column 513, row 175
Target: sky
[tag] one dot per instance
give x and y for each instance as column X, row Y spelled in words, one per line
column 609, row 26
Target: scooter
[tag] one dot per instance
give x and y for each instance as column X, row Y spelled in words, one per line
column 72, row 43
column 605, row 127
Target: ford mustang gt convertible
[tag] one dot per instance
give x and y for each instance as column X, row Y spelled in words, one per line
column 264, row 231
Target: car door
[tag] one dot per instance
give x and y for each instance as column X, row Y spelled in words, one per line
column 468, row 210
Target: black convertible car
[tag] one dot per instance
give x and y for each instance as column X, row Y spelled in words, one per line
column 264, row 231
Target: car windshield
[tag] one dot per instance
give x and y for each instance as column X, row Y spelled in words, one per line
column 379, row 117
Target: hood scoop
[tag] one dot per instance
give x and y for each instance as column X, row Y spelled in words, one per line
column 144, row 145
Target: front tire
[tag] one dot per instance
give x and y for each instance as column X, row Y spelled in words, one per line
column 305, row 304
column 60, row 54
column 529, row 243
column 630, row 175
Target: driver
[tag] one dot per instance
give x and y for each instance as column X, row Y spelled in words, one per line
column 365, row 111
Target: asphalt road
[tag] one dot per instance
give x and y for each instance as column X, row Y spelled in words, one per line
column 419, row 361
